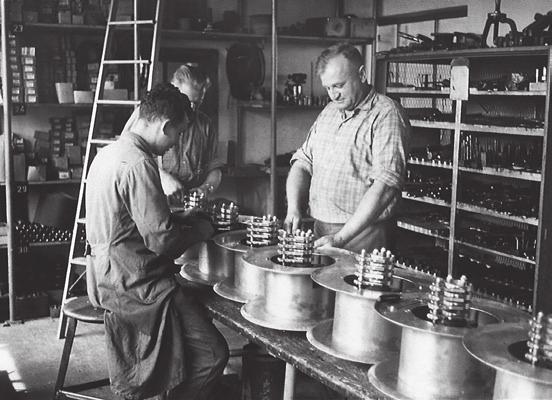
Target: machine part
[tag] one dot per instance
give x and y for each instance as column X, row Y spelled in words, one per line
column 374, row 271
column 214, row 264
column 449, row 301
column 195, row 200
column 357, row 332
column 540, row 340
column 494, row 19
column 291, row 300
column 432, row 363
column 262, row 231
column 502, row 347
column 248, row 281
column 296, row 248
column 224, row 215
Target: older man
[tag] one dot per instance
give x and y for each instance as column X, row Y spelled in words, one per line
column 159, row 341
column 352, row 164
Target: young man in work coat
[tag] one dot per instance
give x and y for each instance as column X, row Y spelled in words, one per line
column 159, row 341
column 352, row 165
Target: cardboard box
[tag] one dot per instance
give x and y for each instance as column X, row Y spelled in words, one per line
column 36, row 173
column 64, row 91
column 362, row 28
column 116, row 94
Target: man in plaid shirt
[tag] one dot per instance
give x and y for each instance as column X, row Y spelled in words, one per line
column 353, row 162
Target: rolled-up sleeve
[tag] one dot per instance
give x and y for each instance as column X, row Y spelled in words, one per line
column 303, row 155
column 391, row 132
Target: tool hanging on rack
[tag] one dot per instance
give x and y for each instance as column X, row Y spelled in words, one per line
column 495, row 18
column 143, row 31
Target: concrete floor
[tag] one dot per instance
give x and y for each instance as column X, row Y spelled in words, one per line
column 30, row 354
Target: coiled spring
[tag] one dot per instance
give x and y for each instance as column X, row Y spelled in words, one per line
column 540, row 339
column 262, row 231
column 375, row 269
column 224, row 215
column 295, row 249
column 449, row 301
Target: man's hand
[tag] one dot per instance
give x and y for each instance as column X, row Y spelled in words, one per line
column 328, row 241
column 172, row 187
column 292, row 221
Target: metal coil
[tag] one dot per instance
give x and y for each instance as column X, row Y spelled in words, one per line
column 540, row 339
column 449, row 300
column 262, row 231
column 224, row 215
column 295, row 248
column 374, row 270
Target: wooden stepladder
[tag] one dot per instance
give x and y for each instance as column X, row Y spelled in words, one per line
column 124, row 30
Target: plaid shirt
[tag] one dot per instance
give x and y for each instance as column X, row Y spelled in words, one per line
column 346, row 152
column 194, row 156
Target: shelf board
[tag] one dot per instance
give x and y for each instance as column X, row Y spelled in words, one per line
column 422, row 228
column 231, row 36
column 52, row 27
column 494, row 252
column 417, row 123
column 428, row 200
column 446, row 55
column 266, row 106
column 41, row 244
column 507, row 173
column 505, row 130
column 412, row 91
column 60, row 105
column 430, row 164
column 45, row 183
column 486, row 211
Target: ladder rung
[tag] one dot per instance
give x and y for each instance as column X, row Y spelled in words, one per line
column 117, row 62
column 136, row 22
column 81, row 220
column 120, row 102
column 102, row 141
column 79, row 261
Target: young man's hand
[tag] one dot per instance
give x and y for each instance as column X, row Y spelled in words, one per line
column 172, row 187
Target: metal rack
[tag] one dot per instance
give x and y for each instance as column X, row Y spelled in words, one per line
column 484, row 61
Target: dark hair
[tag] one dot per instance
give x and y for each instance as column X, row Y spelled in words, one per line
column 348, row 51
column 165, row 101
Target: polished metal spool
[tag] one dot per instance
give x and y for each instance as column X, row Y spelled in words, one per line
column 224, row 215
column 433, row 363
column 503, row 348
column 357, row 332
column 247, row 281
column 291, row 300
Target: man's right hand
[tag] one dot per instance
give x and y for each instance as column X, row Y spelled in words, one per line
column 292, row 221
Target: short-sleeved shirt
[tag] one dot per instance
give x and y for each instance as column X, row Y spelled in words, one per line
column 195, row 155
column 346, row 152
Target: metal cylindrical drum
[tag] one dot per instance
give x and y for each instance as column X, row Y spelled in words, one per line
column 215, row 261
column 357, row 328
column 510, row 386
column 437, row 366
column 249, row 280
column 294, row 296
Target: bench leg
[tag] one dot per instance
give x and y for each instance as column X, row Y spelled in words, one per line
column 289, row 382
column 64, row 363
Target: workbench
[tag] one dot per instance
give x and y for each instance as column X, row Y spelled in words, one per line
column 345, row 377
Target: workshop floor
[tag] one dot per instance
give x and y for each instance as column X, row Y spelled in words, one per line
column 30, row 353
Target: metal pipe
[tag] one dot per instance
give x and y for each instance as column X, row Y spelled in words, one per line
column 7, row 109
column 273, row 133
column 289, row 382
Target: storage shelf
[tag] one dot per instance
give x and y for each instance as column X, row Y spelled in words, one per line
column 445, row 55
column 424, row 229
column 428, row 200
column 411, row 91
column 507, row 173
column 486, row 211
column 417, row 123
column 46, row 183
column 227, row 36
column 430, row 164
column 52, row 27
column 506, row 130
column 494, row 252
column 42, row 244
column 266, row 106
